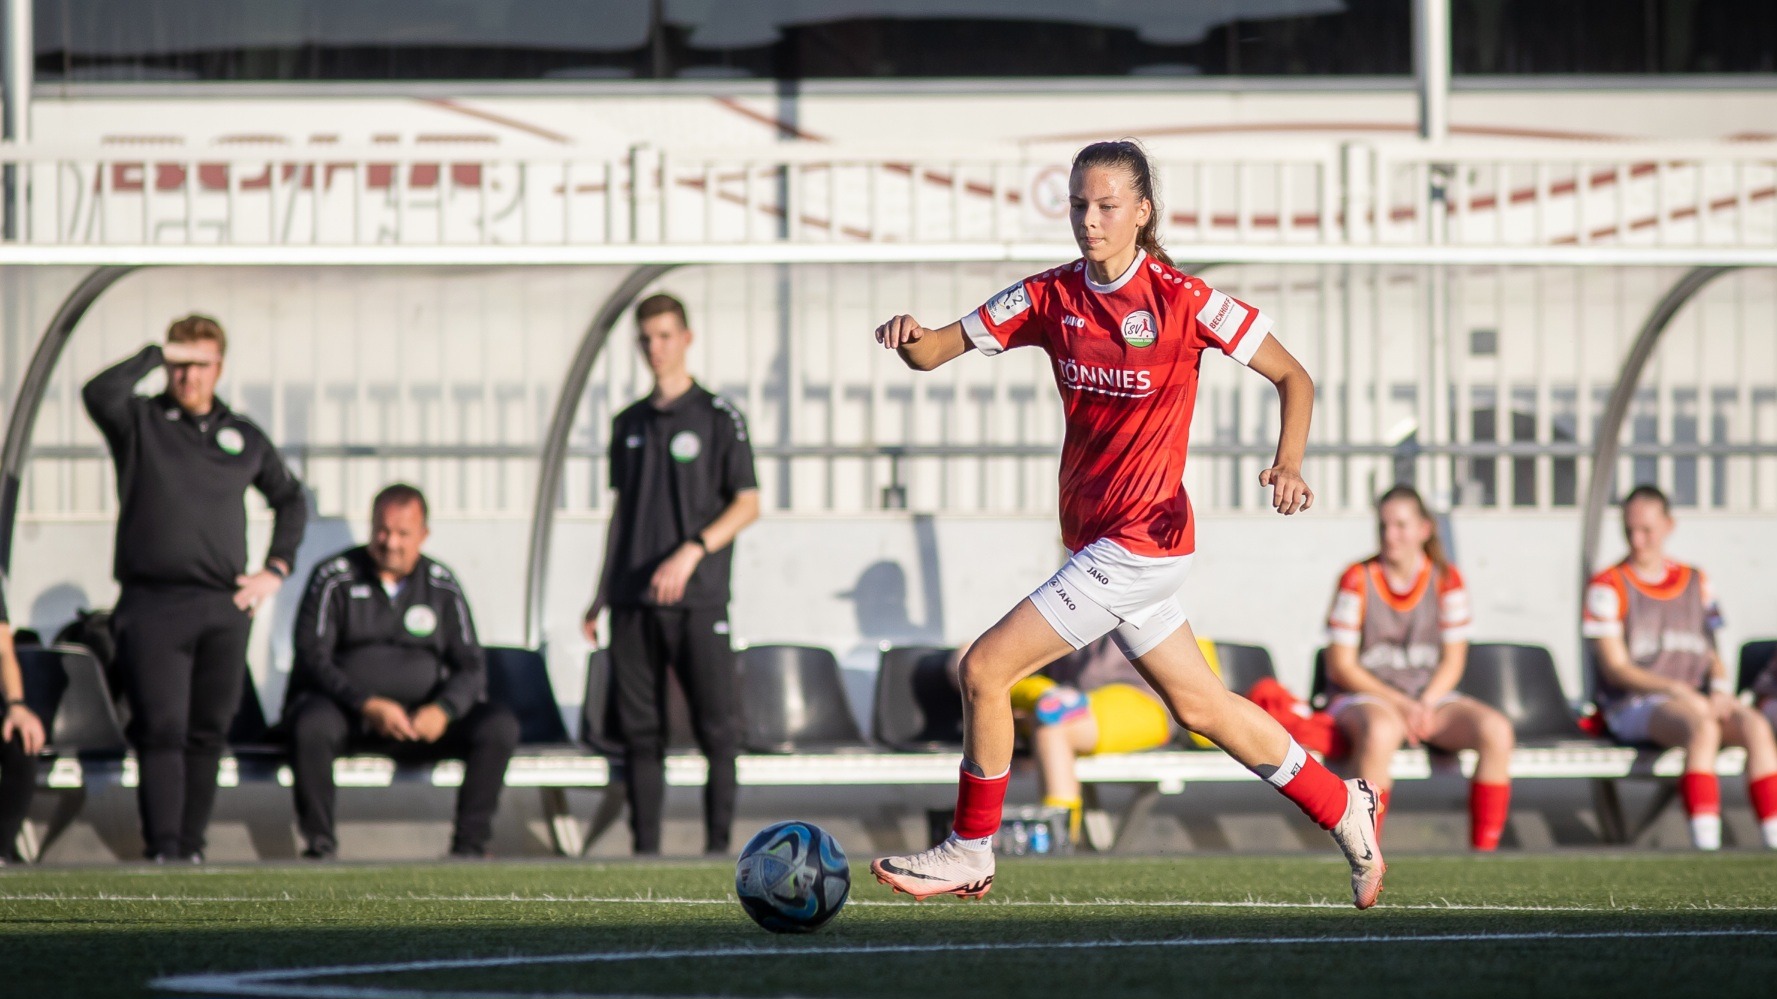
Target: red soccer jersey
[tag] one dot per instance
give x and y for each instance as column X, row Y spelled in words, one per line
column 1125, row 358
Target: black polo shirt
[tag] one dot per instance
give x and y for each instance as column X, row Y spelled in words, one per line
column 675, row 470
column 354, row 640
column 182, row 482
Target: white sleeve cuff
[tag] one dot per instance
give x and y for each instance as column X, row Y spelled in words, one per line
column 1460, row 633
column 977, row 332
column 1602, row 629
column 1344, row 636
column 1252, row 340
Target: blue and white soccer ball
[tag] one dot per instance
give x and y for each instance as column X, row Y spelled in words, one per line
column 792, row 877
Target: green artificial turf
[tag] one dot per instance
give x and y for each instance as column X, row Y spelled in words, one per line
column 1609, row 925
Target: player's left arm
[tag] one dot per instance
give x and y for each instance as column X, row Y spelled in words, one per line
column 1295, row 395
column 1455, row 622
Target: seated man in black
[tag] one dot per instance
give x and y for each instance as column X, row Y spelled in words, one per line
column 387, row 662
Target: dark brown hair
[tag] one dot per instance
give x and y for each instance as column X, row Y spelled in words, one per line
column 659, row 305
column 195, row 328
column 1434, row 545
column 1127, row 154
column 1651, row 493
column 401, row 494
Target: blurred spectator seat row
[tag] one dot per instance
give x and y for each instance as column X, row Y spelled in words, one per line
column 799, row 730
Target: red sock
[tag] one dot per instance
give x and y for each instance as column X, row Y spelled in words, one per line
column 1488, row 806
column 1763, row 793
column 1311, row 786
column 1382, row 809
column 1701, row 793
column 979, row 801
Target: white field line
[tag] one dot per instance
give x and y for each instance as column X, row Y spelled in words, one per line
column 286, row 982
column 1056, row 903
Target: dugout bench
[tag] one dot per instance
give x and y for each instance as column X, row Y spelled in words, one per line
column 799, row 732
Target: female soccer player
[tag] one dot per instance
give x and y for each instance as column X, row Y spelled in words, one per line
column 1126, row 331
column 1397, row 641
column 1652, row 623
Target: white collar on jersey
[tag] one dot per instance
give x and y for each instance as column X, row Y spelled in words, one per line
column 1141, row 257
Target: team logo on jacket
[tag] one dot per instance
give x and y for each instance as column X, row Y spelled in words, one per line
column 420, row 621
column 230, row 440
column 1140, row 329
column 684, row 447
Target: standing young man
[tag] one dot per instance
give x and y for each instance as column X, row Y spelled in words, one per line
column 683, row 473
column 184, row 464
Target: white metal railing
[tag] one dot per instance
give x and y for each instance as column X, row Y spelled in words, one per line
column 1261, row 192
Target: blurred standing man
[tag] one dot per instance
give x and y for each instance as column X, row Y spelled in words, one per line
column 387, row 659
column 184, row 464
column 683, row 473
column 21, row 736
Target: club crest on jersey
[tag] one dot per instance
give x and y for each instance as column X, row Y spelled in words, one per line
column 1140, row 329
column 230, row 440
column 420, row 621
column 1008, row 303
column 685, row 447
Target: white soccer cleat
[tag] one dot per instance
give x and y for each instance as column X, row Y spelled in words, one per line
column 1356, row 835
column 945, row 869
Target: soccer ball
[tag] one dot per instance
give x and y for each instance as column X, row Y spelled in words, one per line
column 792, row 877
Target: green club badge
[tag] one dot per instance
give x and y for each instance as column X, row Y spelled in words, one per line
column 230, row 440
column 420, row 621
column 684, row 447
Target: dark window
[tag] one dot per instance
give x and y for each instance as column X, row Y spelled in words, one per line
column 1518, row 37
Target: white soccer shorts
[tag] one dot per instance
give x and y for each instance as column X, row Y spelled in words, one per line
column 1106, row 589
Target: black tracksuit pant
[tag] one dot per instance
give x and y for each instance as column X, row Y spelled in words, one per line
column 645, row 643
column 182, row 653
column 18, row 780
column 321, row 732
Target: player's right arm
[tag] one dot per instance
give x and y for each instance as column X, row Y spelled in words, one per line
column 923, row 349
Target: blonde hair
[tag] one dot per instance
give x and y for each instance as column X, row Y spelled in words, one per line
column 196, row 328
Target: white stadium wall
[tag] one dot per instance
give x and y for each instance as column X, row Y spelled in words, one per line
column 470, row 361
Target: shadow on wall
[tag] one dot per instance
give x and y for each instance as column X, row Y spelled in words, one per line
column 57, row 607
column 879, row 600
column 325, row 538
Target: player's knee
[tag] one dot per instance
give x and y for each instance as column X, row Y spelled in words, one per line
column 319, row 726
column 498, row 729
column 981, row 678
column 1496, row 733
column 1381, row 732
column 1201, row 711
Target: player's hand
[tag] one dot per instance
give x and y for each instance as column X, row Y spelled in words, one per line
column 668, row 584
column 900, row 331
column 186, row 353
column 23, row 722
column 1415, row 716
column 388, row 719
column 256, row 589
column 589, row 625
column 429, row 723
column 1289, row 493
column 1723, row 704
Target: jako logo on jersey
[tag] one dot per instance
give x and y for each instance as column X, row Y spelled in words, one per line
column 1140, row 329
column 1073, row 321
column 1008, row 303
column 1222, row 315
column 1130, row 384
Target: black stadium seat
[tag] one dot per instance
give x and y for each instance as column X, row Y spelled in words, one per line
column 793, row 700
column 519, row 679
column 1755, row 658
column 918, row 709
column 1520, row 681
column 1243, row 665
column 85, row 719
